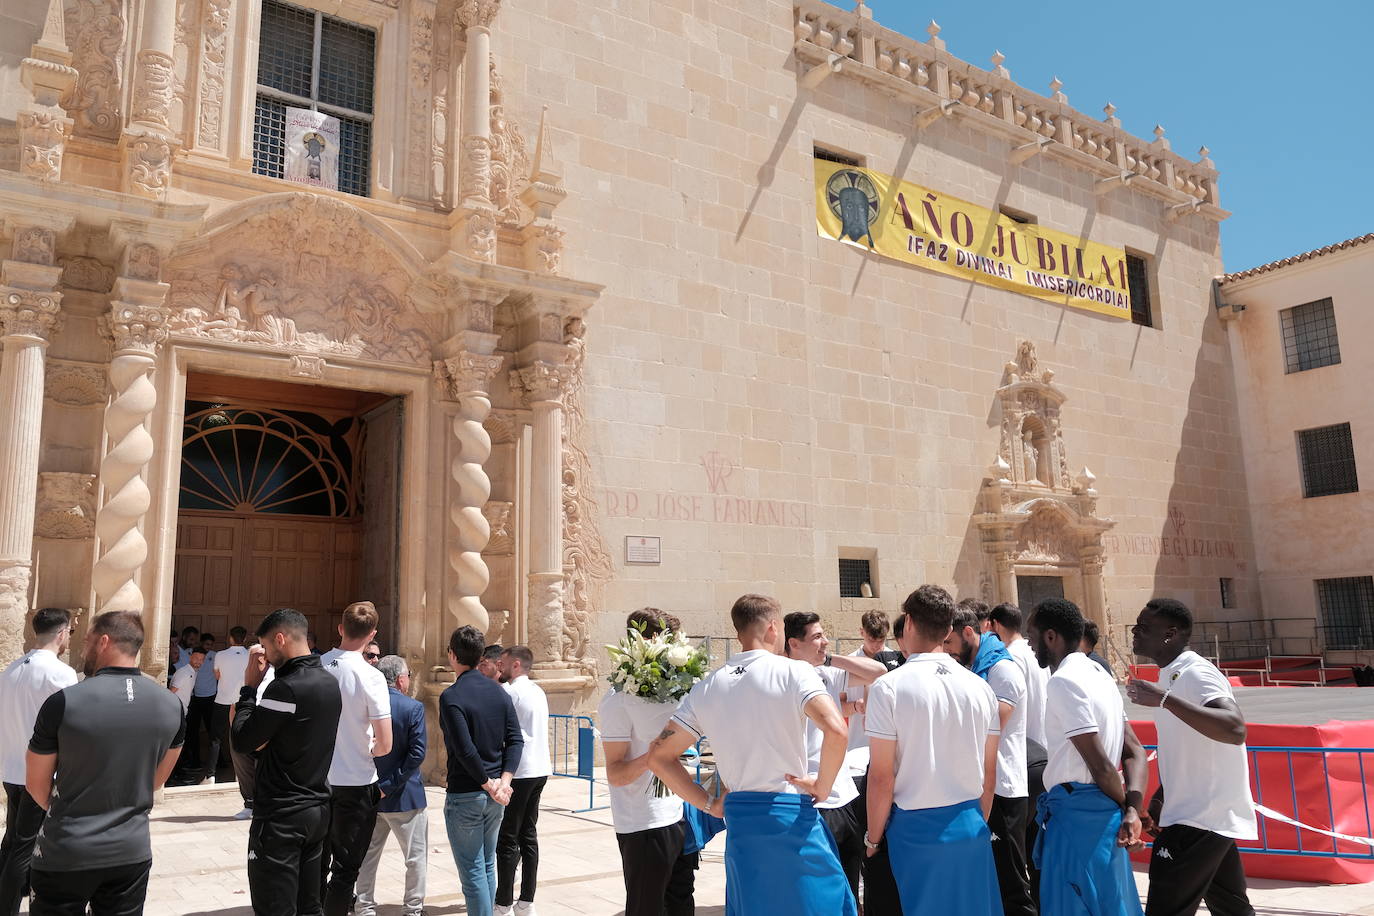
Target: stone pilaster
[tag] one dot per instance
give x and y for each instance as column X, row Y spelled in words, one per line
column 149, row 142
column 544, row 385
column 48, row 75
column 30, row 310
column 474, row 231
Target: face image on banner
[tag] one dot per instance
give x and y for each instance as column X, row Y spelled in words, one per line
column 312, row 148
column 907, row 222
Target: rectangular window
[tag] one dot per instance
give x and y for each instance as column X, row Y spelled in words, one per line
column 309, row 60
column 854, row 575
column 1328, row 461
column 1309, row 336
column 1138, row 285
column 1347, row 612
column 1228, row 593
column 821, row 152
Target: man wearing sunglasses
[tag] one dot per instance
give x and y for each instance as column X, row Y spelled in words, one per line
column 372, row 654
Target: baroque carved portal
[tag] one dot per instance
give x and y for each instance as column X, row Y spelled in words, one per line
column 1033, row 518
column 308, row 275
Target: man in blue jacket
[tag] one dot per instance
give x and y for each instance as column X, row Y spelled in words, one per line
column 402, row 808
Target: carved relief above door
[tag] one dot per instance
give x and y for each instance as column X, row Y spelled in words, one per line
column 1034, row 520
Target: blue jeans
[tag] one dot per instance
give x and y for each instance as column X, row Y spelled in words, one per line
column 473, row 821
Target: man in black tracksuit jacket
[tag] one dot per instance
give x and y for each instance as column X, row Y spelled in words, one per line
column 292, row 729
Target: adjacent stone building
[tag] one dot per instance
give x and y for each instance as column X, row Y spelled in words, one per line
column 566, row 341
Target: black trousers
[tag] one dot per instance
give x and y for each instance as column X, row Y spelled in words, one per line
column 518, row 842
column 1007, row 821
column 659, row 877
column 115, row 891
column 1187, row 866
column 846, row 826
column 284, row 853
column 880, row 887
column 23, row 817
column 245, row 767
column 352, row 815
column 1035, row 783
column 200, row 714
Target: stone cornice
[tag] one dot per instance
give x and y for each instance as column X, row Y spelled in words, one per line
column 831, row 41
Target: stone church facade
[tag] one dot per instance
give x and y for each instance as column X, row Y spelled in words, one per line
column 567, row 342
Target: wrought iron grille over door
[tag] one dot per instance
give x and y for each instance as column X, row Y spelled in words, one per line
column 256, row 460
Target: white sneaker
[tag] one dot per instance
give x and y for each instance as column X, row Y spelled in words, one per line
column 244, row 815
column 505, row 909
column 525, row 908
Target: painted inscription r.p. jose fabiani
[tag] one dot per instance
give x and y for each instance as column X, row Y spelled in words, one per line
column 930, row 229
column 717, row 505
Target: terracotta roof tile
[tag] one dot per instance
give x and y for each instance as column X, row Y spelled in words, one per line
column 1297, row 258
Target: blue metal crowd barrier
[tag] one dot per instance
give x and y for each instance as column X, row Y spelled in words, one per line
column 1315, row 848
column 572, row 751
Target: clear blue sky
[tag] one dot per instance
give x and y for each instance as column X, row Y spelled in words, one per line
column 1280, row 92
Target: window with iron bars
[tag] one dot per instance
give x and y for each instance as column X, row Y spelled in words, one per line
column 1309, row 336
column 309, row 60
column 854, row 575
column 1328, row 461
column 1347, row 612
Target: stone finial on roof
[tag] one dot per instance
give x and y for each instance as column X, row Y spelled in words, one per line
column 1110, row 111
column 933, row 30
column 1160, row 140
column 1205, row 157
column 1057, row 84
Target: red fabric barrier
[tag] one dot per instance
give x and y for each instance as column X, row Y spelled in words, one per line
column 1332, row 796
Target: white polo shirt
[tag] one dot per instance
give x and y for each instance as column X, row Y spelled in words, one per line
column 231, row 664
column 1206, row 783
column 1036, row 679
column 1080, row 699
column 365, row 701
column 843, row 791
column 752, row 712
column 1009, row 686
column 940, row 714
column 637, row 722
column 183, row 682
column 24, row 685
column 532, row 710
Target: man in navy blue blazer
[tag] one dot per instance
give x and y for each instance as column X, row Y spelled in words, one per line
column 402, row 808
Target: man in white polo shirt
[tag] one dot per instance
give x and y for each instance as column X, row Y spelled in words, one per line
column 1087, row 815
column 25, row 684
column 518, row 841
column 780, row 857
column 650, row 829
column 1007, row 622
column 806, row 641
column 1203, row 804
column 984, row 654
column 230, row 665
column 932, row 736
column 364, row 733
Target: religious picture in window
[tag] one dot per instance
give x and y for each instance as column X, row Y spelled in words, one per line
column 312, row 148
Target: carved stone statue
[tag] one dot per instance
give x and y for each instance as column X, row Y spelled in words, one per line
column 1032, row 456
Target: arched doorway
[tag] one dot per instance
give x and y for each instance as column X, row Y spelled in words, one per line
column 273, row 507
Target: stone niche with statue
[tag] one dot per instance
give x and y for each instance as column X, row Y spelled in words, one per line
column 1035, row 518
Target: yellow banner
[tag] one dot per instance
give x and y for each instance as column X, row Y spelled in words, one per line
column 906, row 222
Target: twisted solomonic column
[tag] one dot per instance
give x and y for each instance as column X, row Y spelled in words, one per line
column 138, row 329
column 466, row 377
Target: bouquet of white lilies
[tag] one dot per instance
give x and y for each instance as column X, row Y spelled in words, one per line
column 660, row 669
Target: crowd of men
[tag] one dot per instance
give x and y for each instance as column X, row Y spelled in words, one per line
column 987, row 767
column 326, row 749
column 976, row 770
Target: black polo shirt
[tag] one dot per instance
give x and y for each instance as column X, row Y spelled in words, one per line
column 109, row 733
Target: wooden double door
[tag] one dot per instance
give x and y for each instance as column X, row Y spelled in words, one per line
column 233, row 570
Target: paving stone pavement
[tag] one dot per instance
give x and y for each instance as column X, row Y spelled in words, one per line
column 199, row 867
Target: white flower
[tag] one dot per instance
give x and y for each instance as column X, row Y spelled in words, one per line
column 679, row 656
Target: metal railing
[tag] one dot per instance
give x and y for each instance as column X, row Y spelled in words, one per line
column 1322, row 809
column 572, row 751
